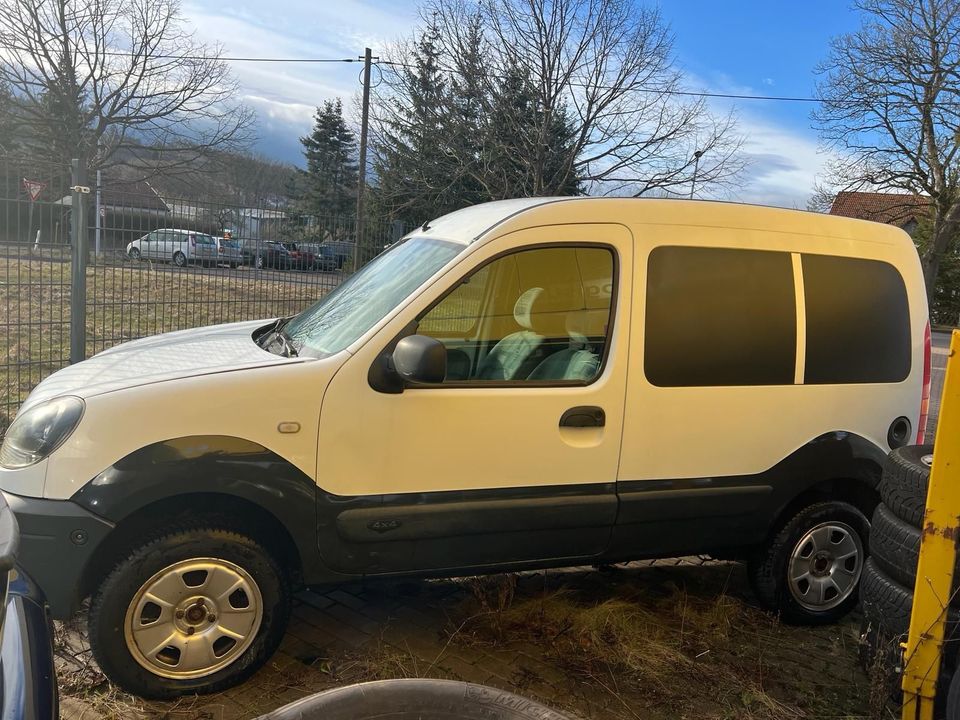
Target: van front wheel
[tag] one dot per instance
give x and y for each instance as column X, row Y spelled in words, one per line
column 810, row 570
column 193, row 610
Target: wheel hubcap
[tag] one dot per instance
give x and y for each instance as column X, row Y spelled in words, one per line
column 193, row 618
column 825, row 566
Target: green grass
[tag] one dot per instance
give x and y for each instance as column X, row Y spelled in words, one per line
column 124, row 302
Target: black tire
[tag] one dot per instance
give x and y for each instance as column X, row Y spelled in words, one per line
column 768, row 566
column 233, row 266
column 134, row 254
column 258, row 262
column 110, row 603
column 895, row 546
column 886, row 617
column 903, row 487
column 414, row 699
column 888, row 605
column 179, row 259
column 952, row 708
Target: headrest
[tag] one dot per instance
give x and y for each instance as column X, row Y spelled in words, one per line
column 523, row 308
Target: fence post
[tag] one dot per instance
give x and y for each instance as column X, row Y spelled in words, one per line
column 78, row 266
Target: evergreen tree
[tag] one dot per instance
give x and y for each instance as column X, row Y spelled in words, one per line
column 8, row 137
column 467, row 133
column 417, row 176
column 331, row 174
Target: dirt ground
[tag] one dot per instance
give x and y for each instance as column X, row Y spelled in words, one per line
column 653, row 640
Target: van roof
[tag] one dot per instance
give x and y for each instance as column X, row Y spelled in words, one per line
column 469, row 224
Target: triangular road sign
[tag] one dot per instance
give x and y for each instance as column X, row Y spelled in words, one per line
column 33, row 188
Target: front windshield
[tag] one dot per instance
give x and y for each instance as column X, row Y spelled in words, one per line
column 366, row 297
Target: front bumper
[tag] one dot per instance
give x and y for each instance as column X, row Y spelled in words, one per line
column 58, row 538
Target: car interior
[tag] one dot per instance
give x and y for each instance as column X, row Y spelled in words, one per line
column 540, row 315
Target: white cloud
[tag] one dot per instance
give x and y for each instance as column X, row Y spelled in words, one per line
column 784, row 159
column 784, row 164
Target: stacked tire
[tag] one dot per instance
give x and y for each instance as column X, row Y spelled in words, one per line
column 886, row 589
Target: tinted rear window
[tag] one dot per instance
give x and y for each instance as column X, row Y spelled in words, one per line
column 720, row 317
column 858, row 321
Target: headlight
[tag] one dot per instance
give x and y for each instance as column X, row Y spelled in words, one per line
column 39, row 431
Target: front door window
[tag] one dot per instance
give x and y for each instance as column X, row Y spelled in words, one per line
column 538, row 315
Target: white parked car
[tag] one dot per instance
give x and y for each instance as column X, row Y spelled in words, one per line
column 523, row 384
column 181, row 247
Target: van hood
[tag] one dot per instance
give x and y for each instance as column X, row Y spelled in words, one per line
column 171, row 356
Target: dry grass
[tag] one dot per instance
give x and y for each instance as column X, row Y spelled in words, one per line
column 678, row 654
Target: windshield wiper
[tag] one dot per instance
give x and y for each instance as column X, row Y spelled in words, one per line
column 286, row 343
column 275, row 335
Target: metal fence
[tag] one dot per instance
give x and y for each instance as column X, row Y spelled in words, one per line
column 53, row 293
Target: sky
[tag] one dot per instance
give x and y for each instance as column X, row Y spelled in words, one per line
column 756, row 47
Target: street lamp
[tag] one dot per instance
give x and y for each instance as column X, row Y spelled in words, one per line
column 696, row 166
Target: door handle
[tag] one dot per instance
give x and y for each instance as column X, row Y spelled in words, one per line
column 583, row 416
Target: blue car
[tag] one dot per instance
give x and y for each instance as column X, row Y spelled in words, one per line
column 28, row 683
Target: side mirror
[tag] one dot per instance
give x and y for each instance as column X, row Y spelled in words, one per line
column 421, row 359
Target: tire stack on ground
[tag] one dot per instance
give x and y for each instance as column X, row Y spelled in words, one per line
column 886, row 589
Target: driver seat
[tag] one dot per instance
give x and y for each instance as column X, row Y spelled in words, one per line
column 518, row 353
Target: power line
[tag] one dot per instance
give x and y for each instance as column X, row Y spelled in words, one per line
column 243, row 59
column 686, row 93
column 315, row 61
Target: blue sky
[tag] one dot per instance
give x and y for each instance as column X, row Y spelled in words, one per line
column 740, row 46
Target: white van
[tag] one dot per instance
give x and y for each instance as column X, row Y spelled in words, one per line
column 523, row 384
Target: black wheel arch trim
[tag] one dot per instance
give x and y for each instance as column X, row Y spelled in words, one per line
column 216, row 465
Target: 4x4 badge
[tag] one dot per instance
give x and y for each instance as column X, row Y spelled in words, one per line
column 382, row 526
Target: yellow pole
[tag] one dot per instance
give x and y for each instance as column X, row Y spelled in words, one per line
column 938, row 549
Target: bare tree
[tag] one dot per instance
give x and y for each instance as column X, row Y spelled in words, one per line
column 601, row 69
column 890, row 108
column 822, row 198
column 117, row 82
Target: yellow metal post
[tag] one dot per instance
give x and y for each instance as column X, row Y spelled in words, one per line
column 938, row 549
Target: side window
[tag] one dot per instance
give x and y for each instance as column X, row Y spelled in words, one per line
column 538, row 315
column 718, row 316
column 858, row 321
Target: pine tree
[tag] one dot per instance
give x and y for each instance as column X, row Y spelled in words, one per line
column 527, row 153
column 331, row 174
column 417, row 176
column 8, row 138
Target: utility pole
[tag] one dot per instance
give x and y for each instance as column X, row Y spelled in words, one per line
column 78, row 267
column 362, row 173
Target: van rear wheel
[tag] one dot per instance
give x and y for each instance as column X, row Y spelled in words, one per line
column 810, row 571
column 193, row 610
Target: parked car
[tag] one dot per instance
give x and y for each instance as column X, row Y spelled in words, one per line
column 29, row 687
column 177, row 246
column 302, row 258
column 342, row 252
column 325, row 257
column 523, row 384
column 229, row 252
column 266, row 254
